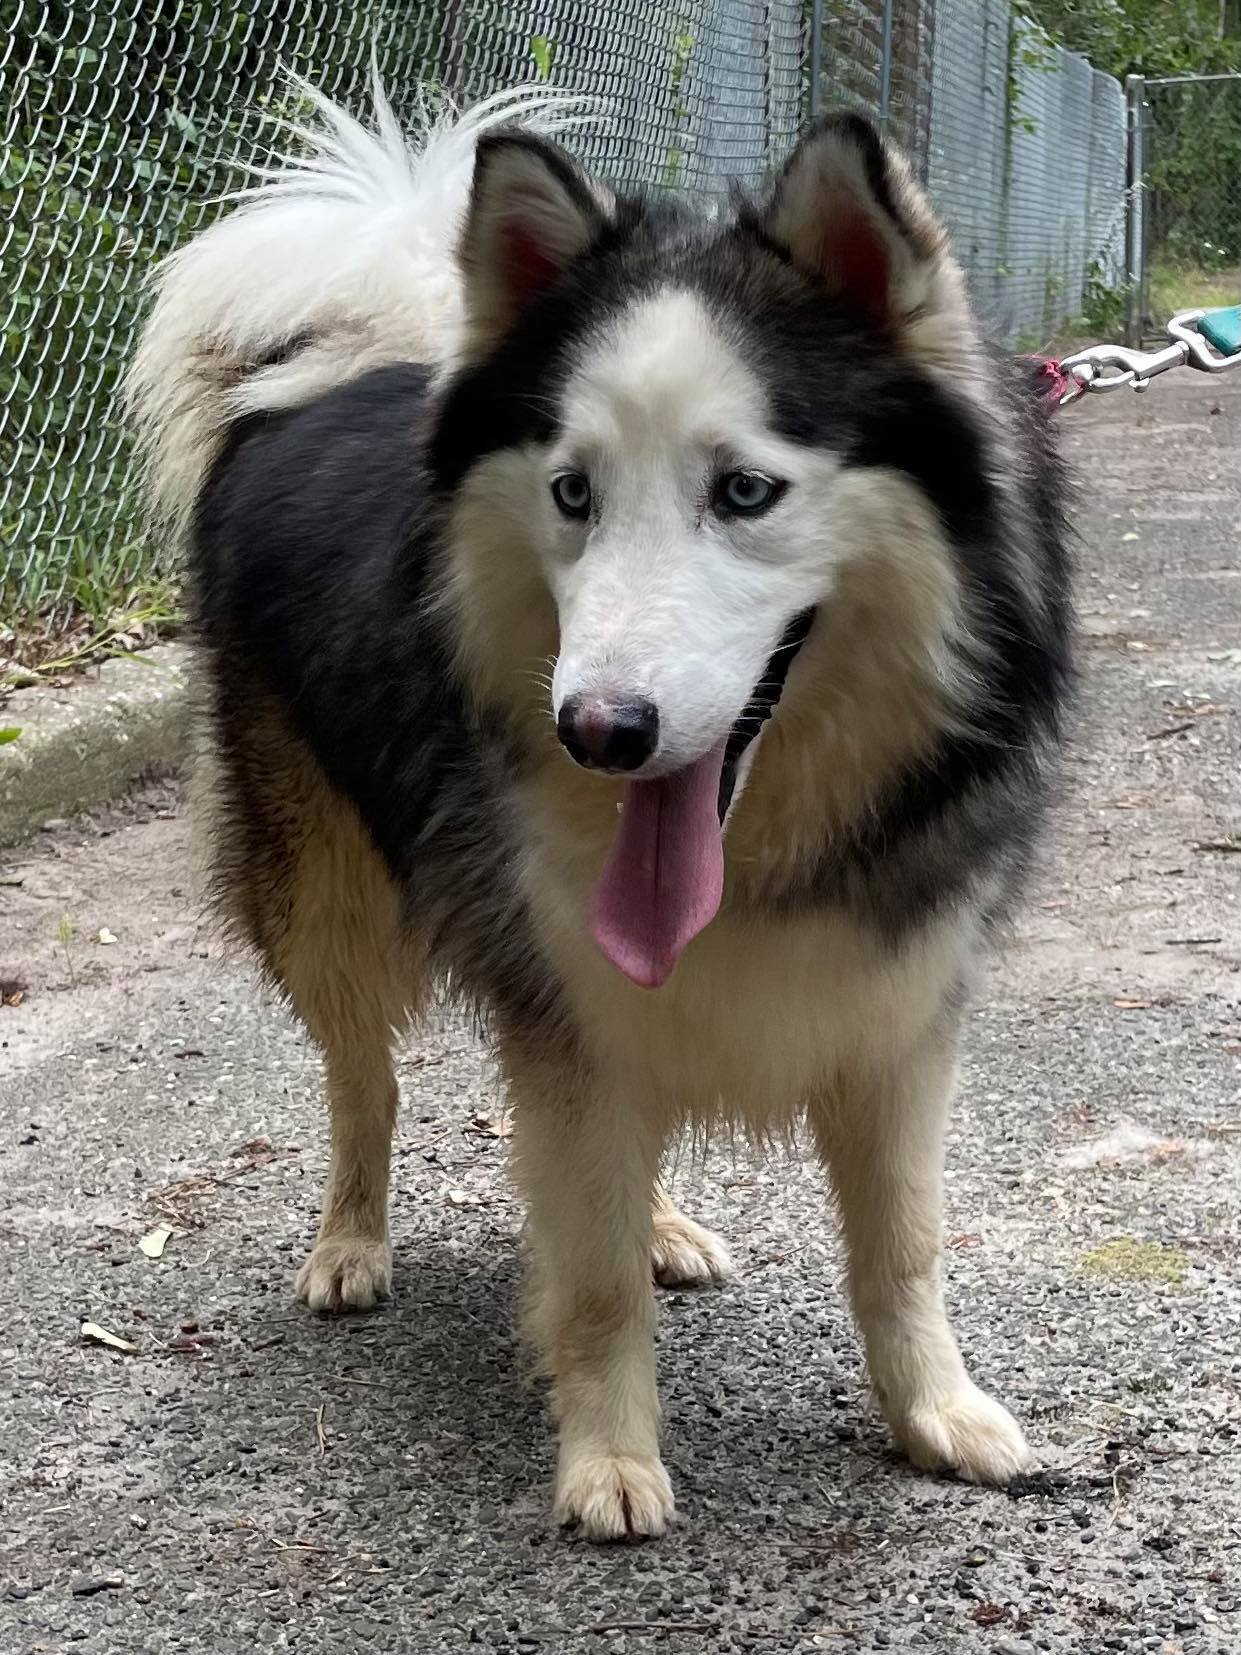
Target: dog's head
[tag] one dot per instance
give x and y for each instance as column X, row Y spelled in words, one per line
column 659, row 452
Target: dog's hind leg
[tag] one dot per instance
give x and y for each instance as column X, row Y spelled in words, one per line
column 302, row 880
column 683, row 1253
column 347, row 969
column 882, row 1135
column 350, row 1264
column 587, row 1165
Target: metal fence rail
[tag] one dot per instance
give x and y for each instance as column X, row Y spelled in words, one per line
column 118, row 112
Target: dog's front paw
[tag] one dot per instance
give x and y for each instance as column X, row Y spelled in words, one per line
column 963, row 1431
column 684, row 1254
column 345, row 1272
column 614, row 1497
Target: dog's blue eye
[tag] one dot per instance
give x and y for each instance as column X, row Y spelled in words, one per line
column 746, row 492
column 571, row 492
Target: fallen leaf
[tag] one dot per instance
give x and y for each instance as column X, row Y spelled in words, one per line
column 13, row 987
column 1171, row 730
column 191, row 1344
column 154, row 1241
column 1133, row 1005
column 100, row 1336
column 459, row 1198
column 252, row 1149
column 105, row 936
column 1127, row 1141
column 489, row 1126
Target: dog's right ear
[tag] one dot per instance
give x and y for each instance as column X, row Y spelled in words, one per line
column 849, row 213
column 532, row 211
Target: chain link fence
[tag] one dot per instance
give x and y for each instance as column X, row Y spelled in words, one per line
column 1186, row 136
column 1027, row 164
column 118, row 112
column 875, row 56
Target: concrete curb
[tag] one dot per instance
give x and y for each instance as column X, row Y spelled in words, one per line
column 81, row 746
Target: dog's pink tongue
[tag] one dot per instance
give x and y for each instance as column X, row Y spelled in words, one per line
column 665, row 874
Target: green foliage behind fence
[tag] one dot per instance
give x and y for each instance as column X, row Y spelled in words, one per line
column 117, row 112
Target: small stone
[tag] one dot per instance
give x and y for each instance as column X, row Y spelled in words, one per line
column 89, row 1586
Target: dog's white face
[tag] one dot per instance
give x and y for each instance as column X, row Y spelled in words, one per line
column 675, row 522
column 679, row 534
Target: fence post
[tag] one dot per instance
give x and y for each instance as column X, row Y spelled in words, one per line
column 885, row 67
column 1135, row 207
column 816, row 59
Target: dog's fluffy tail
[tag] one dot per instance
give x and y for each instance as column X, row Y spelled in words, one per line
column 336, row 260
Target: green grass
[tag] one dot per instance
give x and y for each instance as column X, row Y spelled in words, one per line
column 1173, row 288
column 98, row 618
column 1183, row 287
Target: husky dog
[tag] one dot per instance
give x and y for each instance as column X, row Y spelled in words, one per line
column 650, row 627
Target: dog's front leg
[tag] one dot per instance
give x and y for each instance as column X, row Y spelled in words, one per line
column 882, row 1135
column 587, row 1165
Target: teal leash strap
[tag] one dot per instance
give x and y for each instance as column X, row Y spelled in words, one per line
column 1223, row 329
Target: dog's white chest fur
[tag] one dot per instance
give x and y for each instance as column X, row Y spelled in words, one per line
column 760, row 1015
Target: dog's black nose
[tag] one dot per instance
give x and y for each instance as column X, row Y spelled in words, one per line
column 606, row 734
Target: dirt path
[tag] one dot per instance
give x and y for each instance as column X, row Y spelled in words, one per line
column 250, row 1476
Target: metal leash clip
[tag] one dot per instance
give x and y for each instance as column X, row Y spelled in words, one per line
column 1111, row 367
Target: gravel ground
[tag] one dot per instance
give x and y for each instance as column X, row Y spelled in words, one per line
column 251, row 1475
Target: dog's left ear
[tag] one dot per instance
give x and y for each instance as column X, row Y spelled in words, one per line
column 848, row 211
column 532, row 211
